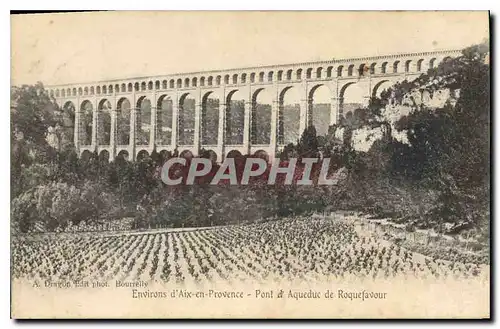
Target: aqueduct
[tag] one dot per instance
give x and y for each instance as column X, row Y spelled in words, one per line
column 247, row 110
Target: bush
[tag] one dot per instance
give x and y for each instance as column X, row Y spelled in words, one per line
column 57, row 204
column 23, row 212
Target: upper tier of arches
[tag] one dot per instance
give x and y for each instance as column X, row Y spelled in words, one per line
column 265, row 75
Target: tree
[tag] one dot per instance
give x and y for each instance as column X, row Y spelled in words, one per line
column 32, row 113
column 32, row 176
column 308, row 143
column 23, row 213
column 449, row 146
column 453, row 139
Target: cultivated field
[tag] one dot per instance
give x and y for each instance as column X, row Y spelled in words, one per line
column 301, row 248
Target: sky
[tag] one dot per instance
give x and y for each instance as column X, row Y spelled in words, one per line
column 87, row 47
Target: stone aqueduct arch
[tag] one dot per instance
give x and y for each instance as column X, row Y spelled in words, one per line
column 216, row 111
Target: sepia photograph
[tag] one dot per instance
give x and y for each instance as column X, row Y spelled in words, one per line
column 250, row 164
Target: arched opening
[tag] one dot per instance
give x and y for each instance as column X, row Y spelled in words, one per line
column 209, row 119
column 235, row 117
column 226, row 79
column 186, row 83
column 63, row 93
column 194, row 82
column 262, row 102
column 372, row 68
column 432, row 63
column 395, row 67
column 85, row 129
column 68, row 123
column 74, row 91
column 202, row 82
column 350, row 70
column 419, row 64
column 262, row 155
column 280, row 75
column 289, row 116
column 104, row 156
column 380, row 87
column 104, row 90
column 164, row 84
column 234, row 154
column 320, row 109
column 86, row 91
column 353, row 97
column 362, row 69
column 80, row 91
column 383, row 68
column 261, row 77
column 309, row 73
column 124, row 155
column 150, row 85
column 110, row 89
column 85, row 156
column 243, row 78
column 299, row 74
column 142, row 155
column 92, row 91
column 217, row 80
column 104, row 122
column 407, row 66
column 270, row 76
column 210, row 81
column 289, row 75
column 123, row 88
column 187, row 106
column 123, row 122
column 186, row 154
column 136, row 86
column 157, row 84
column 209, row 154
column 117, row 88
column 318, row 72
column 129, row 87
column 164, row 117
column 165, row 155
column 143, row 121
column 171, row 84
column 340, row 70
column 179, row 83
column 329, row 71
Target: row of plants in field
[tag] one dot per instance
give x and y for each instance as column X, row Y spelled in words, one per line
column 312, row 248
